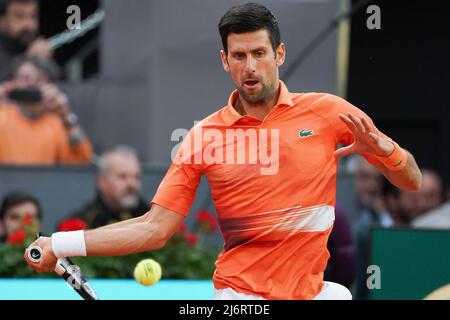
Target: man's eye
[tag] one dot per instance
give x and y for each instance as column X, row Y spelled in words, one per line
column 239, row 56
column 259, row 53
column 14, row 217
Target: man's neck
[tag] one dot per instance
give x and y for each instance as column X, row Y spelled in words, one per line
column 13, row 46
column 27, row 110
column 257, row 110
column 110, row 205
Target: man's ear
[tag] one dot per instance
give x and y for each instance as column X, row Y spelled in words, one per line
column 281, row 55
column 223, row 57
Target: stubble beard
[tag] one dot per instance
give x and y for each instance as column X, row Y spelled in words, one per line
column 261, row 96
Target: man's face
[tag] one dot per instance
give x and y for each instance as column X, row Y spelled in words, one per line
column 368, row 182
column 410, row 205
column 253, row 64
column 120, row 185
column 21, row 22
column 28, row 75
column 431, row 191
column 13, row 218
column 429, row 197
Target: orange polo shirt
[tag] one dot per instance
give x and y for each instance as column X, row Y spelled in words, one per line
column 275, row 216
column 42, row 141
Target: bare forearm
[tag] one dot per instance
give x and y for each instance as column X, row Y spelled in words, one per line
column 122, row 238
column 409, row 178
column 147, row 232
column 122, row 223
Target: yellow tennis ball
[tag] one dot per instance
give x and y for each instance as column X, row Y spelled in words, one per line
column 147, row 272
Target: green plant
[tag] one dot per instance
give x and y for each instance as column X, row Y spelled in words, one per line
column 183, row 257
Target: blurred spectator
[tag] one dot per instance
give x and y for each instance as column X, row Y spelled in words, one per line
column 341, row 266
column 15, row 207
column 368, row 186
column 19, row 27
column 431, row 190
column 372, row 212
column 447, row 192
column 438, row 218
column 37, row 126
column 406, row 206
column 399, row 208
column 119, row 187
column 391, row 196
column 2, row 230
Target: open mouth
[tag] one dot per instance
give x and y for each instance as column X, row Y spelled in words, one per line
column 251, row 83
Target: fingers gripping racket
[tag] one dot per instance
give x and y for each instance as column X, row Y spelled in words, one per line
column 69, row 271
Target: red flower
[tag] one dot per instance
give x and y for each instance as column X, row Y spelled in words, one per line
column 207, row 219
column 72, row 225
column 182, row 228
column 191, row 238
column 17, row 237
column 27, row 219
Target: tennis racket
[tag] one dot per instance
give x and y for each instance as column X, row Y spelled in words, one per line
column 69, row 271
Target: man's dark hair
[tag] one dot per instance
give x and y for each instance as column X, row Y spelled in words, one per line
column 249, row 17
column 388, row 189
column 4, row 4
column 17, row 198
column 447, row 189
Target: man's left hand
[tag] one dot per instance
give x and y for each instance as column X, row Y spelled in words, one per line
column 55, row 100
column 40, row 48
column 366, row 138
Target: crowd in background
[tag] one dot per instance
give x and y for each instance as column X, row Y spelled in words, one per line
column 380, row 205
column 37, row 124
column 38, row 127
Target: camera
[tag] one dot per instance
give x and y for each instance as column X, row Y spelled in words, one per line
column 30, row 94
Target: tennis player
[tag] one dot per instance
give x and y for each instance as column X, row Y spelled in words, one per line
column 276, row 208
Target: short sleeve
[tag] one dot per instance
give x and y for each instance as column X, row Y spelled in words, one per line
column 330, row 106
column 177, row 190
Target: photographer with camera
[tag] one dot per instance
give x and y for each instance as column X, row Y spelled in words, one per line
column 37, row 126
column 19, row 33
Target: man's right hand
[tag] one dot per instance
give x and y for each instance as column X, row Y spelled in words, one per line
column 48, row 259
column 5, row 89
column 55, row 100
column 41, row 48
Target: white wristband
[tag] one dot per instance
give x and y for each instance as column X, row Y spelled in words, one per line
column 68, row 244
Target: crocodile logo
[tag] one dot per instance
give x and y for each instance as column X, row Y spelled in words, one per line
column 305, row 133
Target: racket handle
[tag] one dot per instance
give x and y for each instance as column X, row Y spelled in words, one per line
column 65, row 268
column 35, row 254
